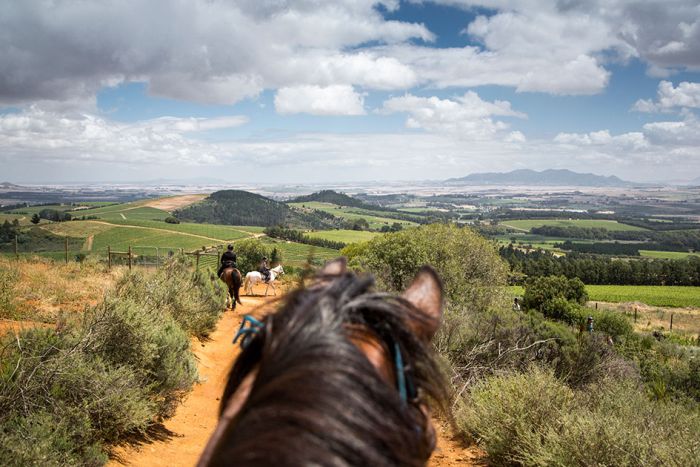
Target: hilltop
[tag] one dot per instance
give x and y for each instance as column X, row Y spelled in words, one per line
column 238, row 207
column 550, row 177
column 333, row 197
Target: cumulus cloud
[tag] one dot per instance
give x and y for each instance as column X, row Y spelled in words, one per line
column 206, row 51
column 686, row 95
column 467, row 116
column 316, row 100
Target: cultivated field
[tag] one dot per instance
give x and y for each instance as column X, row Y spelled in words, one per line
column 666, row 254
column 526, row 224
column 375, row 219
column 297, row 254
column 346, row 236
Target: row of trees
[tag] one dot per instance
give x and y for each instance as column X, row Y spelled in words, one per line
column 593, row 269
column 300, row 237
column 674, row 240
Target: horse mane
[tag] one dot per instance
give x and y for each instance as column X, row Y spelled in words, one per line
column 316, row 399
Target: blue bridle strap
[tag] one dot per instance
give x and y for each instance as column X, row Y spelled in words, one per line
column 254, row 327
column 400, row 373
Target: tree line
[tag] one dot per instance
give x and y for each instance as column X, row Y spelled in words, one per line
column 298, row 236
column 593, row 269
column 673, row 240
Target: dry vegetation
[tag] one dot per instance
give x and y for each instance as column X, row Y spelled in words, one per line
column 41, row 289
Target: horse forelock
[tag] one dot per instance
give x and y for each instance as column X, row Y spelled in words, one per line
column 316, row 398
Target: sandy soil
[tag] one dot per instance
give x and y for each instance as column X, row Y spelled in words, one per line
column 181, row 438
column 172, row 203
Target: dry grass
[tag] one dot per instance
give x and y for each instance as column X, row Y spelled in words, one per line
column 686, row 321
column 43, row 289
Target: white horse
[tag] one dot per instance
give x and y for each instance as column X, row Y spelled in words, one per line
column 253, row 277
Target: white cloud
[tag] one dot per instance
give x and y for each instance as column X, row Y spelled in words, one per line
column 316, row 100
column 81, row 138
column 686, row 95
column 199, row 50
column 467, row 116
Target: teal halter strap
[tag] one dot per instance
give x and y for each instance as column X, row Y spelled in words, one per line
column 253, row 327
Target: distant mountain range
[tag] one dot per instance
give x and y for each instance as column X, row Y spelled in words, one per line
column 550, row 177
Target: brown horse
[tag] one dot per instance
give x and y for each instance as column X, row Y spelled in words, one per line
column 340, row 375
column 232, row 278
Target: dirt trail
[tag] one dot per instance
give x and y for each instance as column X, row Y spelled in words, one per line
column 186, row 433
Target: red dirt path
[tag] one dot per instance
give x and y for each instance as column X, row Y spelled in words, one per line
column 186, row 433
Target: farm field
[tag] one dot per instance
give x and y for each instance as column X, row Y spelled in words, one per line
column 296, row 254
column 374, row 218
column 653, row 295
column 222, row 232
column 666, row 254
column 527, row 224
column 346, row 236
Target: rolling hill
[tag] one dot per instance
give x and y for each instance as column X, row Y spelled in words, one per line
column 237, row 207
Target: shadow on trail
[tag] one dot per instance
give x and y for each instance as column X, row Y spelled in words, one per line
column 155, row 433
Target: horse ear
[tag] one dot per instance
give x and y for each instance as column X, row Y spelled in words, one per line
column 334, row 267
column 425, row 293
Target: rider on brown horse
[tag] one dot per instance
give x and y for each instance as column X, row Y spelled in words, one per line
column 228, row 260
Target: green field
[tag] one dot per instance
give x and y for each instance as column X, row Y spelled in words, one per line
column 345, row 236
column 666, row 254
column 653, row 295
column 374, row 218
column 296, row 254
column 526, row 224
column 218, row 232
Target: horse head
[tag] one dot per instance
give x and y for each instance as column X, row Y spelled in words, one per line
column 338, row 375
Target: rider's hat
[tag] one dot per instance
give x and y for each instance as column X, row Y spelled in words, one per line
column 230, row 247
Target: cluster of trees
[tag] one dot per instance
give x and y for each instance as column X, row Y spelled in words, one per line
column 300, row 237
column 8, row 231
column 593, row 269
column 53, row 215
column 608, row 248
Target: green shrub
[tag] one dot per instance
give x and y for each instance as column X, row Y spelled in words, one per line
column 614, row 324
column 250, row 252
column 534, row 419
column 193, row 299
column 44, row 439
column 561, row 309
column 540, row 290
column 90, row 401
column 150, row 342
column 469, row 265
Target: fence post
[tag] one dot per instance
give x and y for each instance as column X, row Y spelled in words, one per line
column 16, row 251
column 197, row 266
column 129, row 257
column 671, row 328
column 66, row 247
column 109, row 257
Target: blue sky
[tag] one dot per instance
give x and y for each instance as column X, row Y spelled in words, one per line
column 310, row 91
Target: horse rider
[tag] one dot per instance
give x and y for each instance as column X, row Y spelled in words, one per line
column 228, row 260
column 264, row 269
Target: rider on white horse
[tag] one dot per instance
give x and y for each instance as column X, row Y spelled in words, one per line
column 264, row 269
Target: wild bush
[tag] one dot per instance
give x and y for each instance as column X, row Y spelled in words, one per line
column 540, row 290
column 147, row 340
column 469, row 265
column 193, row 299
column 90, row 401
column 535, row 419
column 250, row 252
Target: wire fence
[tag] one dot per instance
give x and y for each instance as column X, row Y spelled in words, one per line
column 131, row 256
